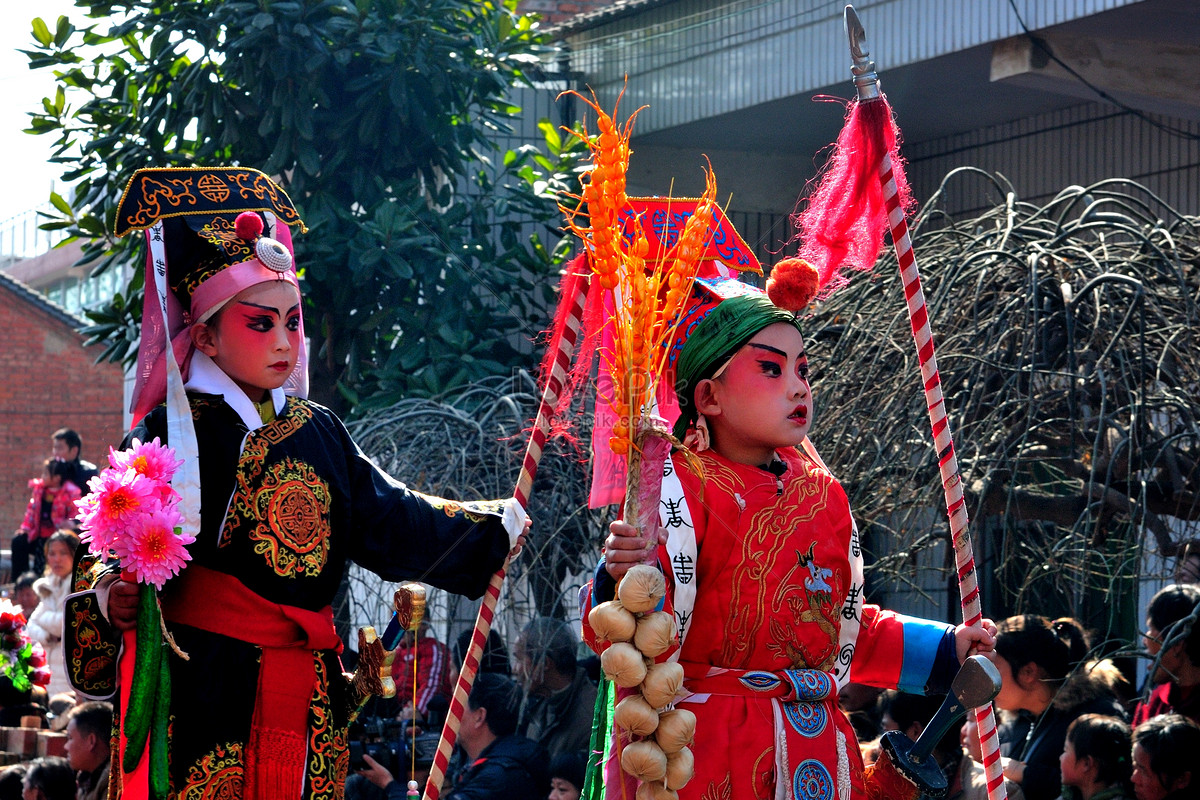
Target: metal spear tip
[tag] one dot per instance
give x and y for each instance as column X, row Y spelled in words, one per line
column 866, row 81
column 856, row 33
column 977, row 682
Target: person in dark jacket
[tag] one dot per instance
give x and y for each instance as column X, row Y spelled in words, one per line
column 66, row 445
column 89, row 728
column 1046, row 686
column 559, row 696
column 498, row 764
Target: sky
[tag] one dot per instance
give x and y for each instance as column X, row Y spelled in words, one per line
column 27, row 177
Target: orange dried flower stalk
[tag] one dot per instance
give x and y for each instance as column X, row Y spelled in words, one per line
column 604, row 193
column 645, row 303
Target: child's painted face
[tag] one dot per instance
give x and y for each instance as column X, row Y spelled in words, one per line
column 58, row 559
column 762, row 400
column 256, row 337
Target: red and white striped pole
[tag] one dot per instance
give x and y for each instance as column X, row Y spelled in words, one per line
column 956, row 507
column 564, row 350
column 866, row 83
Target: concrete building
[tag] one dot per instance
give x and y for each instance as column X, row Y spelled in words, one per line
column 1047, row 92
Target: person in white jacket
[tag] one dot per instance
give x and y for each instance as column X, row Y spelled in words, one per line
column 46, row 622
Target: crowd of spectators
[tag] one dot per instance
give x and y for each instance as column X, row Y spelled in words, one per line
column 1071, row 726
column 525, row 731
column 81, row 772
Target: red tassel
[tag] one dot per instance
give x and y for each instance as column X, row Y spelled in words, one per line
column 843, row 225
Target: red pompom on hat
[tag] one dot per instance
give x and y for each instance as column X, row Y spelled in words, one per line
column 248, row 225
column 793, row 284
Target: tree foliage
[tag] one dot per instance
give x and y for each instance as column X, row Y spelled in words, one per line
column 379, row 116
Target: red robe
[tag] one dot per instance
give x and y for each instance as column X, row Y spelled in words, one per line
column 761, row 654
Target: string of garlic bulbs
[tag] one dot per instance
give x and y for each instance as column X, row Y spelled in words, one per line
column 659, row 753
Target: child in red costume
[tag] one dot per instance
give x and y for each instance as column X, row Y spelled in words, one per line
column 51, row 506
column 764, row 568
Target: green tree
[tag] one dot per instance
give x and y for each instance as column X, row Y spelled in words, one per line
column 419, row 269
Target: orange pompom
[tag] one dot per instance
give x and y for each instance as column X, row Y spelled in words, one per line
column 248, row 225
column 793, row 284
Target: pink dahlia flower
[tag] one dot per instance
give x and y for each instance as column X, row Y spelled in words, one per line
column 118, row 500
column 154, row 460
column 153, row 549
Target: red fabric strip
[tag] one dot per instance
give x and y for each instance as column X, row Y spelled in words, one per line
column 288, row 635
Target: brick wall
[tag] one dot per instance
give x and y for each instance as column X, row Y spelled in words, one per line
column 48, row 380
column 555, row 11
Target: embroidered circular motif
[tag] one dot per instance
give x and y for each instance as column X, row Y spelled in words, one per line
column 810, row 684
column 808, row 719
column 292, row 506
column 812, row 781
column 212, row 188
column 295, row 515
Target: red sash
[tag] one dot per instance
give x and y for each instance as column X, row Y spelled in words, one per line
column 219, row 603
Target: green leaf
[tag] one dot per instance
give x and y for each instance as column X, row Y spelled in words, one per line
column 62, row 205
column 41, row 33
column 63, row 31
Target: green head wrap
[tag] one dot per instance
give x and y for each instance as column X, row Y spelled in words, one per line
column 715, row 339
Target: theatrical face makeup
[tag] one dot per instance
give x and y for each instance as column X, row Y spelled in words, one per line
column 762, row 400
column 255, row 339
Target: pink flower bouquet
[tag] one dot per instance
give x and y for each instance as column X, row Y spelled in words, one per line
column 133, row 512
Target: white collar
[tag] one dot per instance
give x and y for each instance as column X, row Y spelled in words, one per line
column 207, row 378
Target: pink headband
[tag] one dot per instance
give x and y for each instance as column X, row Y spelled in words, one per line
column 217, row 290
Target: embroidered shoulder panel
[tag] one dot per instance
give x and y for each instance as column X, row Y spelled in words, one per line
column 200, row 405
column 88, row 570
